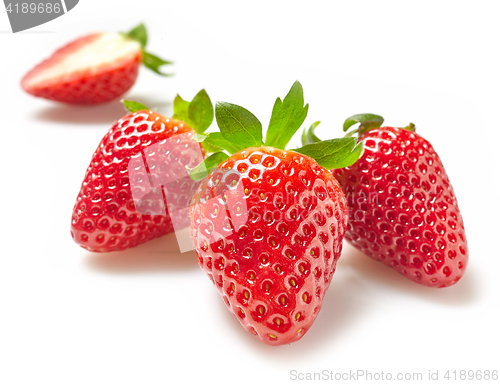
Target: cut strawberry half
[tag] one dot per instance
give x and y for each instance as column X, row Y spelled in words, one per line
column 92, row 69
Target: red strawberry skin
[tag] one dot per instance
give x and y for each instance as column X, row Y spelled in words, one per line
column 103, row 79
column 402, row 208
column 141, row 154
column 274, row 269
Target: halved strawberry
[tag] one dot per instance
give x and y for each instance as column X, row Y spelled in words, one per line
column 92, row 69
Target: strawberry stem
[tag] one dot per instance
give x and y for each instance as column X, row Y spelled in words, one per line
column 410, row 127
column 149, row 60
column 139, row 34
column 367, row 121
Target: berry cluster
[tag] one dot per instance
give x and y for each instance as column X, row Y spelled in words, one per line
column 267, row 223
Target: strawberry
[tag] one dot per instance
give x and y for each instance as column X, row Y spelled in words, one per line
column 267, row 223
column 92, row 69
column 137, row 187
column 402, row 208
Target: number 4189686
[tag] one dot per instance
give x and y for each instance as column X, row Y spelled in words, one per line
column 471, row 375
column 34, row 8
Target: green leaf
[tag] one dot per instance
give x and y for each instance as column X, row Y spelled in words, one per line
column 287, row 117
column 154, row 63
column 366, row 122
column 181, row 109
column 335, row 153
column 200, row 138
column 210, row 148
column 201, row 111
column 216, row 138
column 198, row 113
column 205, row 167
column 134, row 106
column 139, row 34
column 308, row 135
column 238, row 125
column 410, row 127
column 149, row 60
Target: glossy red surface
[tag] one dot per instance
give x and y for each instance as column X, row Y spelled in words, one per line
column 123, row 200
column 268, row 227
column 402, row 208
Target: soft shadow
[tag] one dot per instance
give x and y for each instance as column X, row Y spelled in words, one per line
column 463, row 292
column 81, row 114
column 155, row 256
column 347, row 302
column 96, row 114
column 342, row 306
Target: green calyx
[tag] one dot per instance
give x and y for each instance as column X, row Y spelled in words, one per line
column 367, row 122
column 287, row 117
column 134, row 106
column 308, row 135
column 240, row 129
column 334, row 153
column 410, row 127
column 198, row 113
column 203, row 169
column 149, row 60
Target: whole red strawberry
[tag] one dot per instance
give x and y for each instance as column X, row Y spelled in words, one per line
column 92, row 69
column 137, row 186
column 402, row 208
column 268, row 223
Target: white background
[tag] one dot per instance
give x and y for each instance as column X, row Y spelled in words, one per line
column 149, row 314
